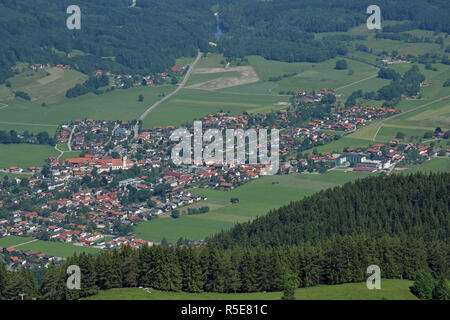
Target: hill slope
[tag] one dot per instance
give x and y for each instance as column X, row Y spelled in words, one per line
column 416, row 205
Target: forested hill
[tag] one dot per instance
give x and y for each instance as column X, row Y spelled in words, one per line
column 283, row 29
column 149, row 37
column 144, row 39
column 415, row 205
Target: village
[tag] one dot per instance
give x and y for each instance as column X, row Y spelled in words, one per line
column 97, row 198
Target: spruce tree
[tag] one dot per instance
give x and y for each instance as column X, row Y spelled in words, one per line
column 3, row 281
column 52, row 285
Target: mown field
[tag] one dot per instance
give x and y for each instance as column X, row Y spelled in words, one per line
column 391, row 289
column 190, row 104
column 255, row 198
column 57, row 249
column 25, row 155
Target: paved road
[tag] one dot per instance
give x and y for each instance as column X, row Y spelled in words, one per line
column 180, row 86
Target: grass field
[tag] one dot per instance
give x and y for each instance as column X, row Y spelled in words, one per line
column 430, row 117
column 190, row 104
column 25, row 155
column 48, row 84
column 339, row 145
column 433, row 165
column 255, row 198
column 11, row 241
column 117, row 105
column 212, row 60
column 313, row 76
column 57, row 249
column 391, row 289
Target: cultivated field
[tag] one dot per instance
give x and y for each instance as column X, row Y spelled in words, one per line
column 197, row 78
column 246, row 75
column 391, row 289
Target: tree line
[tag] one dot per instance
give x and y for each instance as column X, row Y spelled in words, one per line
column 93, row 84
column 338, row 260
column 12, row 137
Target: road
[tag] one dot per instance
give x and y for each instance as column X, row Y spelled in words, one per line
column 157, row 103
column 69, row 143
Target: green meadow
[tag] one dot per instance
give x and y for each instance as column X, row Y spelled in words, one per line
column 116, row 105
column 391, row 289
column 256, row 198
column 57, row 249
column 190, row 104
column 25, row 155
column 313, row 76
column 212, row 60
column 11, row 241
column 433, row 165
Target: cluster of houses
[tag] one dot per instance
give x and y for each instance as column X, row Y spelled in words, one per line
column 93, row 135
column 316, row 96
column 395, row 60
column 121, row 80
column 27, row 259
column 377, row 157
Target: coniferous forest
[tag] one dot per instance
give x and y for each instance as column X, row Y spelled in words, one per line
column 148, row 38
column 399, row 223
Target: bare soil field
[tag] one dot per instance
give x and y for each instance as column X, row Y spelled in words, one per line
column 247, row 75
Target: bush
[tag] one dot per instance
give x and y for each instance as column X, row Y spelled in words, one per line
column 175, row 214
column 400, row 135
column 23, row 95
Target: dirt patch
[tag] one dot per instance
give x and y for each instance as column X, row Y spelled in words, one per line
column 247, row 75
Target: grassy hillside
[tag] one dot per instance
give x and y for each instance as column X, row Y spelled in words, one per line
column 390, row 290
column 255, row 198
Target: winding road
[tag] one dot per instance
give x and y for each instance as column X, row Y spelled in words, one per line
column 157, row 103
